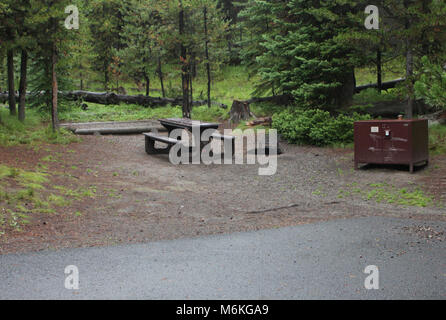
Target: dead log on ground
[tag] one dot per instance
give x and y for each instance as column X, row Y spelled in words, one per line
column 260, row 121
column 436, row 117
column 107, row 98
column 385, row 85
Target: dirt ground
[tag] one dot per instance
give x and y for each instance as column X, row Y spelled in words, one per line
column 143, row 197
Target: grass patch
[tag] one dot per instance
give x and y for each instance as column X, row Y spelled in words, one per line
column 32, row 131
column 126, row 112
column 24, row 193
column 391, row 195
column 391, row 70
column 383, row 192
column 58, row 200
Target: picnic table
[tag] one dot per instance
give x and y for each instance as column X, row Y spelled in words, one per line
column 182, row 123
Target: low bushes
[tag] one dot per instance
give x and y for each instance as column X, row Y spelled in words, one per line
column 316, row 127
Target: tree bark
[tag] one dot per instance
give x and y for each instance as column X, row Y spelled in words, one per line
column 108, row 98
column 345, row 93
column 106, row 77
column 184, row 67
column 409, row 68
column 191, row 90
column 410, row 84
column 160, row 75
column 384, row 86
column 23, row 83
column 240, row 110
column 379, row 69
column 11, row 89
column 54, row 89
column 208, row 65
column 146, row 77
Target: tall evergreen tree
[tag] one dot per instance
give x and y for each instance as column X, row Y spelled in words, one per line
column 301, row 55
column 419, row 26
column 106, row 25
column 48, row 16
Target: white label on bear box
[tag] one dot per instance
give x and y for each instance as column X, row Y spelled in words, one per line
column 374, row 129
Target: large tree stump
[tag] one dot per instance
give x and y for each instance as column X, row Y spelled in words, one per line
column 239, row 111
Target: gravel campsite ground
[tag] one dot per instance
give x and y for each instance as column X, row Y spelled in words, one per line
column 140, row 198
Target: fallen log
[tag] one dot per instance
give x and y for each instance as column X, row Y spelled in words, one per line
column 438, row 117
column 125, row 130
column 260, row 121
column 385, row 85
column 108, row 98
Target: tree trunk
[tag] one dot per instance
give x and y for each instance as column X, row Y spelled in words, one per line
column 240, row 110
column 160, row 75
column 191, row 90
column 379, row 69
column 106, row 77
column 184, row 67
column 410, row 84
column 54, row 90
column 147, row 85
column 409, row 69
column 11, row 89
column 346, row 92
column 22, row 87
column 208, row 65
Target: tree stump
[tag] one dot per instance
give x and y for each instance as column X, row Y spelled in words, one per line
column 239, row 111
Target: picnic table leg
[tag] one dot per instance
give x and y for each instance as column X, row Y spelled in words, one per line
column 150, row 146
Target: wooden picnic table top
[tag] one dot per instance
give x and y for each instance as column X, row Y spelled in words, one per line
column 187, row 123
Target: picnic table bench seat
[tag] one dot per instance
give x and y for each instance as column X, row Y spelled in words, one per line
column 150, row 143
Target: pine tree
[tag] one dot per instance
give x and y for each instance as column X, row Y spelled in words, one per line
column 51, row 51
column 419, row 27
column 301, row 55
column 106, row 25
column 8, row 38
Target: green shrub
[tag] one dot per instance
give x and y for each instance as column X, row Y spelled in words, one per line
column 316, row 127
column 265, row 109
column 437, row 139
column 432, row 84
column 371, row 95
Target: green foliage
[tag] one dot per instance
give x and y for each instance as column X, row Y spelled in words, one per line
column 215, row 113
column 265, row 109
column 24, row 192
column 437, row 139
column 299, row 54
column 374, row 96
column 124, row 112
column 432, row 84
column 315, row 127
column 33, row 131
column 391, row 70
column 106, row 23
column 382, row 192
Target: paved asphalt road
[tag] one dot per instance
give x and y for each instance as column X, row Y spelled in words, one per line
column 317, row 261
